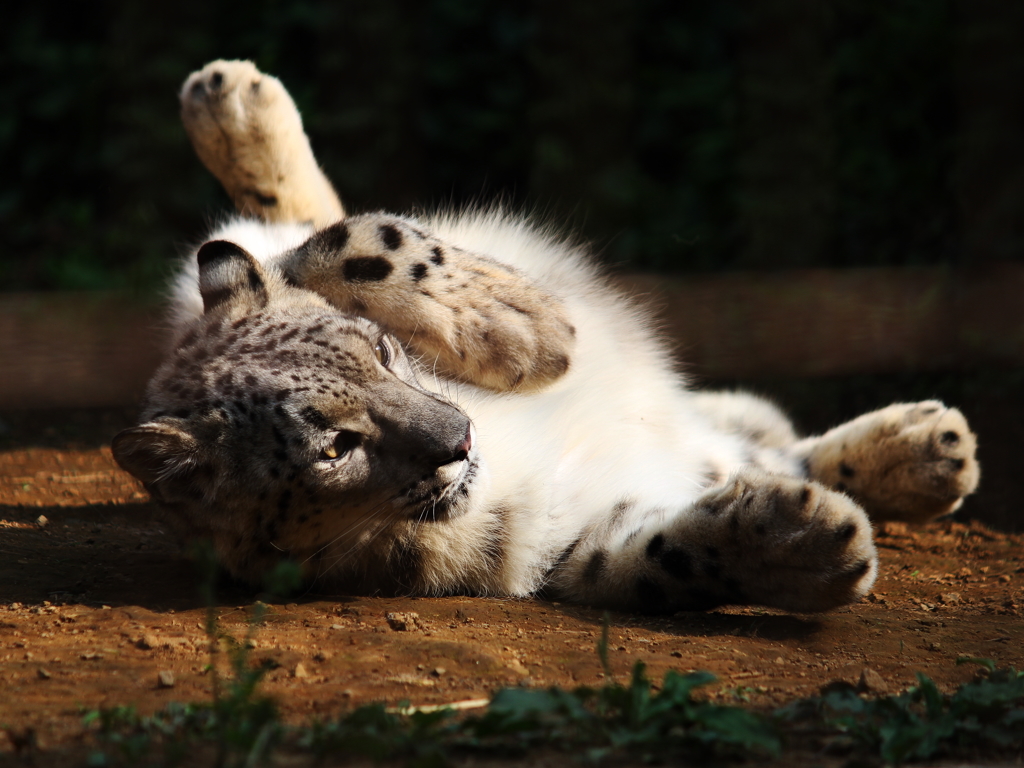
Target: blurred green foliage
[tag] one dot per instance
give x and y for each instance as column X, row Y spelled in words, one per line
column 674, row 136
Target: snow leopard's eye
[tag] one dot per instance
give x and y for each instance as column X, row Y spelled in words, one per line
column 383, row 352
column 342, row 445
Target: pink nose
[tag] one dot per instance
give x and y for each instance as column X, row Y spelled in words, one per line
column 462, row 449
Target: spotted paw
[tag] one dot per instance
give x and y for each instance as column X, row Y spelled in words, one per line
column 246, row 130
column 785, row 542
column 911, row 462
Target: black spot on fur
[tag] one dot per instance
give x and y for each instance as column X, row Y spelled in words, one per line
column 284, row 502
column 189, row 339
column 332, row 238
column 650, row 595
column 655, row 546
column 390, row 236
column 677, row 563
column 846, row 531
column 566, row 553
column 760, row 530
column 841, row 487
column 268, row 201
column 805, row 496
column 949, row 438
column 279, row 438
column 315, row 418
column 418, row 271
column 957, row 464
column 595, row 566
column 846, row 470
column 366, row 269
column 438, row 257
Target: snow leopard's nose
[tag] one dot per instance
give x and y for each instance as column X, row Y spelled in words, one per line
column 461, row 451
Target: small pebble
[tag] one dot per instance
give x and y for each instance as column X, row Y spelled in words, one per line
column 165, row 679
column 41, row 521
column 43, row 674
column 871, row 682
column 300, row 671
column 403, row 622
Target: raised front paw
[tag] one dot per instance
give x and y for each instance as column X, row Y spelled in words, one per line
column 468, row 316
column 910, row 461
column 246, row 130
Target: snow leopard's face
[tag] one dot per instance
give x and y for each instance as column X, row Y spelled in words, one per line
column 279, row 427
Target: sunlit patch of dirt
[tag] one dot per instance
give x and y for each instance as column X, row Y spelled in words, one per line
column 99, row 607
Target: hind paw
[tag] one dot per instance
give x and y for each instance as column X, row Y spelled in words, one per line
column 789, row 543
column 911, row 462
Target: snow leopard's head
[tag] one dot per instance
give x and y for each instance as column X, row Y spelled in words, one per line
column 279, row 427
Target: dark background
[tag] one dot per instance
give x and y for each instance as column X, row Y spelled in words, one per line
column 675, row 137
column 755, row 134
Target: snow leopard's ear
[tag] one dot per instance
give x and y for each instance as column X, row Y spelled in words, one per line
column 165, row 458
column 229, row 274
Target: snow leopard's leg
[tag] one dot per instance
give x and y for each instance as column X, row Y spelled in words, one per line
column 246, row 130
column 765, row 430
column 909, row 461
column 469, row 316
column 761, row 539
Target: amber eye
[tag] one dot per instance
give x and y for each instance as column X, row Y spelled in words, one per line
column 344, row 443
column 383, row 353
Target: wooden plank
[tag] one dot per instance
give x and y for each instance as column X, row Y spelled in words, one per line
column 76, row 349
column 819, row 322
column 85, row 350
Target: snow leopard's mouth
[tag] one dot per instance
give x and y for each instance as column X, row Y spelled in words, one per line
column 443, row 500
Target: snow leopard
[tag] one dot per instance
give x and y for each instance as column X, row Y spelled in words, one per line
column 458, row 402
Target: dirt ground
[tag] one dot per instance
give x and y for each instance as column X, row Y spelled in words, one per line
column 98, row 607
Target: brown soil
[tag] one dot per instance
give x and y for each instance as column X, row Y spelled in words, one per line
column 96, row 602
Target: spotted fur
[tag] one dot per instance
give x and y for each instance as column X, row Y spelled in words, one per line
column 459, row 403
